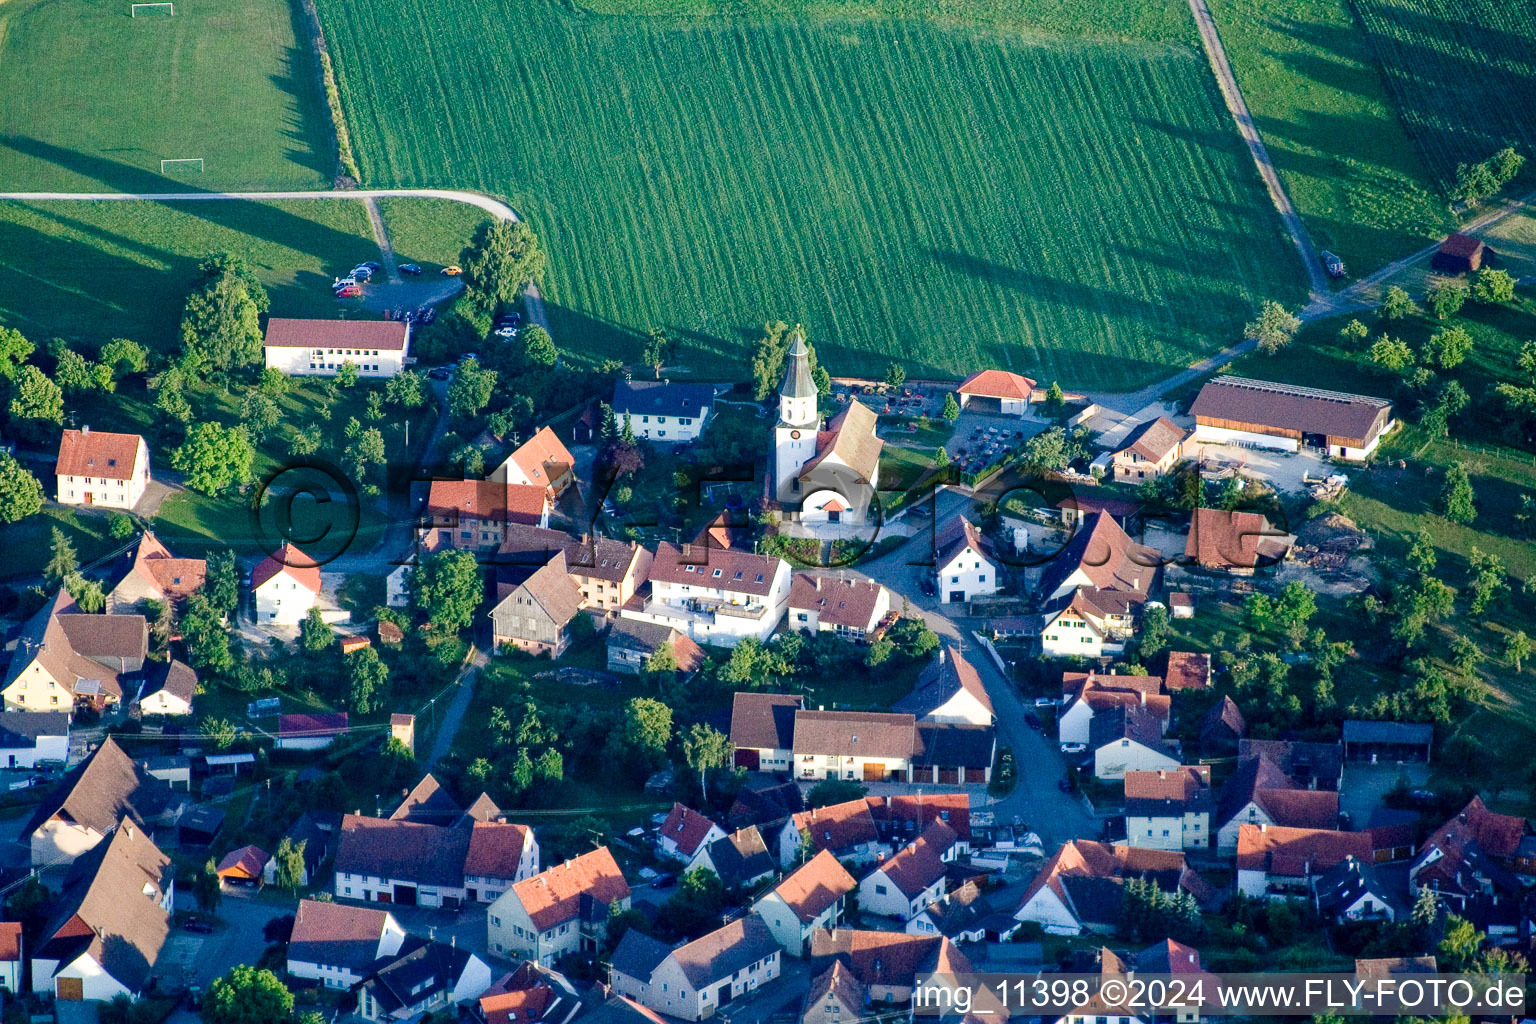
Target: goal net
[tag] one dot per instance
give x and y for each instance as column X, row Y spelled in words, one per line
column 156, row 10
column 190, row 165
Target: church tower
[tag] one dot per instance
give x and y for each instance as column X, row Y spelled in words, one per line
column 794, row 436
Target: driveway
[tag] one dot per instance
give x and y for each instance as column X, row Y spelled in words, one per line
column 1281, row 470
column 192, row 959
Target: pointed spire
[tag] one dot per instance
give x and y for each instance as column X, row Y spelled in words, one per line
column 797, row 371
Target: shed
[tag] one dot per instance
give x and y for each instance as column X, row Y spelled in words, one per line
column 229, row 764
column 354, row 643
column 243, row 866
column 199, row 824
column 1181, row 604
column 1460, row 254
column 1388, row 741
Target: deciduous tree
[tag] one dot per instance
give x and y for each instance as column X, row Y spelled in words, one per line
column 247, row 995
column 1446, row 296
column 445, row 587
column 21, row 494
column 1457, row 501
column 1274, row 328
column 503, row 257
column 221, row 328
column 1493, row 286
column 471, row 388
column 215, row 458
column 35, row 401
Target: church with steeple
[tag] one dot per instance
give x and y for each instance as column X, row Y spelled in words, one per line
column 822, row 475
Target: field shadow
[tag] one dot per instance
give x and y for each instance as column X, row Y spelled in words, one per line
column 304, row 127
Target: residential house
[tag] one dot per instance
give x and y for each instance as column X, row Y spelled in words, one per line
column 310, row 730
column 813, row 896
column 1168, row 957
column 696, row 979
column 1181, row 604
column 91, row 800
column 27, row 737
column 962, row 915
column 865, row 746
column 1307, row 765
column 402, row 727
column 540, row 461
column 685, row 833
column 846, row 830
column 965, row 562
column 65, row 658
column 835, row 997
column 763, row 730
column 534, row 610
column 109, row 922
column 1086, row 695
column 850, row 609
column 914, row 877
column 337, row 944
column 101, row 468
column 1470, row 856
column 715, row 596
column 1101, row 556
column 949, row 754
column 887, row 964
column 1259, row 793
column 313, row 835
column 529, row 995
column 1129, row 738
column 997, row 391
column 168, row 689
column 607, row 572
column 900, row 817
column 740, row 860
column 619, row 1010
column 1150, row 450
column 1169, row 810
column 632, row 643
column 423, row 976
column 949, row 690
column 244, row 866
column 475, row 515
column 11, row 957
column 1352, row 890
column 765, row 801
column 1081, row 887
column 560, row 910
column 1235, row 542
column 1086, row 624
column 1187, row 671
column 1222, row 729
column 148, row 571
column 305, row 348
column 1279, row 862
column 397, row 860
column 1284, row 417
column 664, row 411
column 286, row 586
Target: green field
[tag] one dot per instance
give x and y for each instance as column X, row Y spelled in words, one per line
column 94, row 271
column 954, row 196
column 94, row 99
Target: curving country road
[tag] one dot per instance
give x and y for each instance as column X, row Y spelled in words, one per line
column 495, row 207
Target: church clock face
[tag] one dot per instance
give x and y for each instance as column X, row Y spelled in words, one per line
column 794, row 435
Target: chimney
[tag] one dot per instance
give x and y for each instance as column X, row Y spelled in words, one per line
column 85, row 429
column 1263, row 827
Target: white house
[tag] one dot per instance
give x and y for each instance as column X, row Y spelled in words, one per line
column 286, row 586
column 903, row 885
column 11, row 956
column 662, row 410
column 812, row 897
column 335, row 944
column 1127, row 739
column 763, row 730
column 685, row 833
column 1087, row 694
column 1088, row 623
column 425, row 976
column 101, row 468
column 92, row 800
column 106, row 939
column 168, row 689
column 563, row 909
column 1087, row 868
column 697, row 978
column 1169, row 810
column 715, row 596
column 301, row 348
column 865, row 746
column 1351, row 891
column 400, row 860
column 310, row 730
column 1274, row 861
column 967, row 566
column 948, row 690
column 851, row 609
column 27, row 737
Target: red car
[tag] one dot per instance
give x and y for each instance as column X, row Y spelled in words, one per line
column 349, row 292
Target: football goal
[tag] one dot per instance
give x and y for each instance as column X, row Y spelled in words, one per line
column 188, row 165
column 156, row 10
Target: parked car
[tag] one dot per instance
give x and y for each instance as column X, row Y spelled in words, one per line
column 371, row 265
column 350, row 291
column 343, row 282
column 664, row 882
column 452, row 271
column 1074, row 748
column 410, row 268
column 1033, row 721
column 197, row 924
column 440, row 373
column 1045, row 702
column 509, row 332
column 362, row 273
column 927, row 586
column 1332, row 264
column 1064, row 784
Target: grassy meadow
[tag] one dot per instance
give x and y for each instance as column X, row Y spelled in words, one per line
column 952, row 195
column 94, row 99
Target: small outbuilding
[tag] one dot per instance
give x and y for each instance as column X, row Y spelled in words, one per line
column 1388, row 741
column 1460, row 254
column 243, row 867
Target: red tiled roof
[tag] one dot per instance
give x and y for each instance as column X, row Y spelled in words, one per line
column 174, row 577
column 815, row 886
column 246, row 862
column 715, row 568
column 764, row 721
column 1458, row 244
column 855, row 734
column 554, row 895
column 384, row 335
column 1188, row 671
column 838, row 826
column 913, row 812
column 837, row 602
column 997, row 384
column 919, row 864
column 1218, row 538
column 289, row 559
column 1153, row 439
column 686, row 828
column 495, row 849
column 10, row 941
column 315, row 723
column 1297, row 851
column 486, row 499
column 542, row 458
column 97, row 453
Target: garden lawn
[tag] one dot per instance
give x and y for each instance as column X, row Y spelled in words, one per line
column 95, row 99
column 951, row 196
column 29, row 543
column 430, row 231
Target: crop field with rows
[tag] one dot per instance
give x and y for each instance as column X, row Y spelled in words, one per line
column 1462, row 74
column 950, row 196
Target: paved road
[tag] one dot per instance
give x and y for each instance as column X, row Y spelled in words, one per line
column 1250, row 133
column 495, row 207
